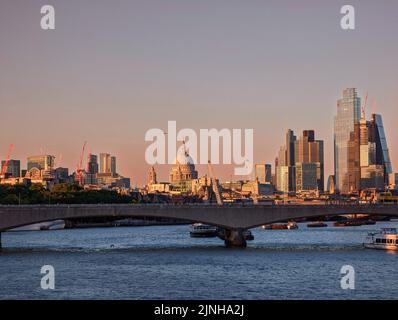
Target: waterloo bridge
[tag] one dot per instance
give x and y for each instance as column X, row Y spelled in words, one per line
column 234, row 218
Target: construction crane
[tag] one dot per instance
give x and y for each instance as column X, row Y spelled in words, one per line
column 5, row 164
column 80, row 165
column 214, row 184
column 364, row 107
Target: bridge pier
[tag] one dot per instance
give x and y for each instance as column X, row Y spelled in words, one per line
column 1, row 245
column 234, row 238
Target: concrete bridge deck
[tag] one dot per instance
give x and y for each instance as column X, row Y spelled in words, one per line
column 233, row 217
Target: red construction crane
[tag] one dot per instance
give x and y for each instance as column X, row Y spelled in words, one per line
column 5, row 165
column 80, row 165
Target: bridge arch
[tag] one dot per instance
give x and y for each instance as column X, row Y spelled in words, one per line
column 233, row 218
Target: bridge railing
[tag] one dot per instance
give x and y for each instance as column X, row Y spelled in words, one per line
column 201, row 205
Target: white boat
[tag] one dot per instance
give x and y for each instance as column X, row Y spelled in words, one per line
column 386, row 239
column 203, row 230
column 49, row 225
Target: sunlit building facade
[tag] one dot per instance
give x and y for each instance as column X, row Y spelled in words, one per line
column 346, row 142
column 13, row 169
column 308, row 150
column 263, row 173
column 43, row 162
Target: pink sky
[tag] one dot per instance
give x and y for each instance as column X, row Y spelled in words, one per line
column 112, row 70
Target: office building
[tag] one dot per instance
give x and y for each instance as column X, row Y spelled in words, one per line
column 346, row 142
column 378, row 137
column 283, row 182
column 263, row 173
column 306, row 176
column 105, row 163
column 113, row 166
column 309, row 150
column 13, row 169
column 375, row 161
column 43, row 162
column 305, row 152
column 92, row 164
column 285, row 164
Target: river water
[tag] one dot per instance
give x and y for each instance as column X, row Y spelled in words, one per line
column 163, row 262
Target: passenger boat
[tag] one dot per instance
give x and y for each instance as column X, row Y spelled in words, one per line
column 318, row 224
column 275, row 226
column 200, row 230
column 386, row 239
column 281, row 226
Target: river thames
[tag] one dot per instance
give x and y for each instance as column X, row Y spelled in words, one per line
column 164, row 262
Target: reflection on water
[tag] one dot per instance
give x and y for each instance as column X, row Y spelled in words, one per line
column 163, row 262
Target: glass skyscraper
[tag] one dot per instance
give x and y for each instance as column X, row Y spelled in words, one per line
column 346, row 142
column 305, row 155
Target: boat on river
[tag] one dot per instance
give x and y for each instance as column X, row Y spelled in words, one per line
column 385, row 239
column 201, row 230
column 318, row 224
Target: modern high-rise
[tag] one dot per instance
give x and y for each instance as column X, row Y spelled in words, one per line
column 283, row 173
column 308, row 150
column 263, row 173
column 107, row 164
column 113, row 166
column 374, row 155
column 361, row 156
column 378, row 137
column 13, row 168
column 306, row 176
column 347, row 142
column 284, row 164
column 92, row 164
column 44, row 162
column 298, row 162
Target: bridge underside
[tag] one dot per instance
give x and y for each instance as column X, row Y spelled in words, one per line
column 230, row 217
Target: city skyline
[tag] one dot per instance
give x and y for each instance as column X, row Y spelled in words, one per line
column 150, row 64
column 161, row 168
